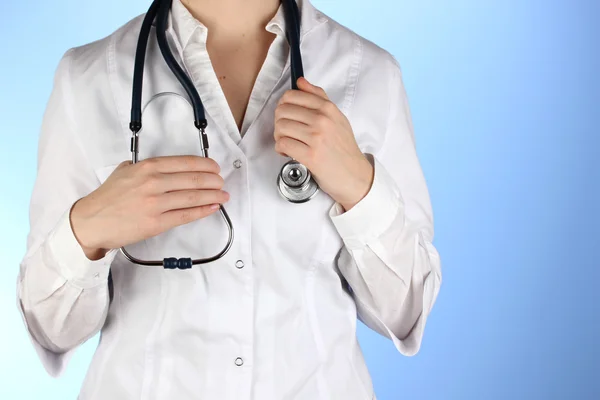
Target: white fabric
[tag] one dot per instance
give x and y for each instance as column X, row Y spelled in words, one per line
column 308, row 270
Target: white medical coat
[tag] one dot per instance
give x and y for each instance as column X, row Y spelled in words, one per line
column 275, row 319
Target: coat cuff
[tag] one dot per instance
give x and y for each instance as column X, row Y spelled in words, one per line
column 373, row 214
column 71, row 261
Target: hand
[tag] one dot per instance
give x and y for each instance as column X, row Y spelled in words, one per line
column 312, row 130
column 144, row 199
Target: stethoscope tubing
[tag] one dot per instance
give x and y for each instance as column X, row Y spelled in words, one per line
column 159, row 10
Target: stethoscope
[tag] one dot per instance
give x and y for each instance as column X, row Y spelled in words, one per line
column 294, row 182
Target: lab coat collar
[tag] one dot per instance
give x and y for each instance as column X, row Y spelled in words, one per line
column 309, row 18
column 182, row 25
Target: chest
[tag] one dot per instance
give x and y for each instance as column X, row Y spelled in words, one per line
column 236, row 65
column 268, row 229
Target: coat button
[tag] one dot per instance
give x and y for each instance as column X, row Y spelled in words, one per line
column 237, row 163
column 239, row 264
column 239, row 362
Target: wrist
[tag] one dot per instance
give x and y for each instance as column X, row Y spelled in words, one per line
column 80, row 226
column 363, row 183
column 94, row 254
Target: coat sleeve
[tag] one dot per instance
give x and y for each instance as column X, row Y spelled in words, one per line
column 61, row 294
column 388, row 258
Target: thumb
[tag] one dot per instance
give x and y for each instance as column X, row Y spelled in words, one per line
column 306, row 86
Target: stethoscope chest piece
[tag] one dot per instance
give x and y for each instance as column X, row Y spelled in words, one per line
column 295, row 182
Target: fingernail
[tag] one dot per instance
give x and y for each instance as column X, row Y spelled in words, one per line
column 214, row 206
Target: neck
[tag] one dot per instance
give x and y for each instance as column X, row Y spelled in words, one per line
column 233, row 16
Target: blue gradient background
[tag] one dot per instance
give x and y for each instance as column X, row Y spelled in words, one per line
column 505, row 101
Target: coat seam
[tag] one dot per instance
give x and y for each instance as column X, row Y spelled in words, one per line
column 353, row 76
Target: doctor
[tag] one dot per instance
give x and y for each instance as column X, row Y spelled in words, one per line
column 275, row 318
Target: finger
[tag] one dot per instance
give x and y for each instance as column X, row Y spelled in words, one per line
column 305, row 85
column 190, row 180
column 182, row 199
column 295, row 149
column 175, row 218
column 293, row 129
column 304, row 99
column 296, row 113
column 187, row 163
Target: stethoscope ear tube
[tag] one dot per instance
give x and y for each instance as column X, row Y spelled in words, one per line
column 138, row 72
column 295, row 182
column 186, row 82
column 292, row 23
column 160, row 10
